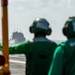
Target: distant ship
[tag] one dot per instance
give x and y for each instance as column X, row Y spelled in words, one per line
column 17, row 37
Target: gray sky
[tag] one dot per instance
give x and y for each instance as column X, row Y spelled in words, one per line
column 21, row 14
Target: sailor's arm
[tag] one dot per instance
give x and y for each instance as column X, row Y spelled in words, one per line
column 57, row 63
column 18, row 49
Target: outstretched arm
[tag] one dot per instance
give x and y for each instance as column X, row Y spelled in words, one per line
column 18, row 49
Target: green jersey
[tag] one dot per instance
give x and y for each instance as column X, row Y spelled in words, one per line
column 38, row 54
column 64, row 59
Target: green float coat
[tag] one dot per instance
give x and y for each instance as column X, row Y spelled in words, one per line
column 38, row 54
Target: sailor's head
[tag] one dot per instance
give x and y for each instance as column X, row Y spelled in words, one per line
column 69, row 28
column 40, row 25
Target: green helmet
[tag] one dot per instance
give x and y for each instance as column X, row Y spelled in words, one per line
column 40, row 25
column 69, row 28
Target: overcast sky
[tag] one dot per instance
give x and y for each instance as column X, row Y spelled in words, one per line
column 21, row 14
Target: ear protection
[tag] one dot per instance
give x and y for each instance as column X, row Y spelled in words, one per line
column 49, row 31
column 31, row 29
column 65, row 29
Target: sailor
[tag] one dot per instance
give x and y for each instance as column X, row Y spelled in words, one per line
column 63, row 62
column 39, row 50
